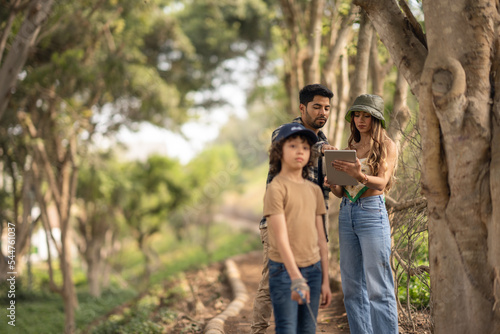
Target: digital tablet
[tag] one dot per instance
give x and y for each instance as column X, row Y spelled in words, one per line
column 335, row 176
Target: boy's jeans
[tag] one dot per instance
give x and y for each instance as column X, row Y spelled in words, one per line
column 289, row 316
column 367, row 282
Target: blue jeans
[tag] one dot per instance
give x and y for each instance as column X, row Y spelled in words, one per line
column 289, row 316
column 367, row 282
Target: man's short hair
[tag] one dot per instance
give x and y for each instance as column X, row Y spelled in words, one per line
column 308, row 93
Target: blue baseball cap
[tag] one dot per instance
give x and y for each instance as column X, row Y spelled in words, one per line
column 291, row 129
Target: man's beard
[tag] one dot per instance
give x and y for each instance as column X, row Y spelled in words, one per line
column 312, row 123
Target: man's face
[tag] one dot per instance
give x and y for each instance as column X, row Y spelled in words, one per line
column 316, row 113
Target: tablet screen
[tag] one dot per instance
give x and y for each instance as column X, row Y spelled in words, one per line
column 335, row 176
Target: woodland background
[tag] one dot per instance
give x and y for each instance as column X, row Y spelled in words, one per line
column 73, row 74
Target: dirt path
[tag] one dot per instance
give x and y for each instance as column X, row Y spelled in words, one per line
column 191, row 301
column 330, row 320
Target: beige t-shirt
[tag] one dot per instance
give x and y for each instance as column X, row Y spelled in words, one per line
column 301, row 203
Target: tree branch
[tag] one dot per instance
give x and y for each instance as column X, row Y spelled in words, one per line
column 25, row 120
column 405, row 48
column 337, row 46
column 14, row 9
column 411, row 271
column 24, row 40
column 392, row 204
column 314, row 33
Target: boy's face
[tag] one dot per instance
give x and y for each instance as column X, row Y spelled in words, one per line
column 296, row 153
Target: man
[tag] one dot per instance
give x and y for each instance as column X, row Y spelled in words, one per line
column 314, row 112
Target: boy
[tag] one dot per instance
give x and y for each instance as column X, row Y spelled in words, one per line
column 298, row 252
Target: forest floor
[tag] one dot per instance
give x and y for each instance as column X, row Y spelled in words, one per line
column 213, row 292
column 188, row 302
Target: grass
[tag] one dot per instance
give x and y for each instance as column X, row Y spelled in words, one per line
column 40, row 311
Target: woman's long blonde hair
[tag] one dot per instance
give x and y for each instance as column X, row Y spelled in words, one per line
column 377, row 153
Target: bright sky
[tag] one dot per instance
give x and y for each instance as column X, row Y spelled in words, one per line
column 151, row 139
column 205, row 128
column 197, row 133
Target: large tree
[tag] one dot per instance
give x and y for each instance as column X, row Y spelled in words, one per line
column 35, row 14
column 452, row 71
column 97, row 212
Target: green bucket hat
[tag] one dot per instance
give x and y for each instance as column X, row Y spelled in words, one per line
column 372, row 104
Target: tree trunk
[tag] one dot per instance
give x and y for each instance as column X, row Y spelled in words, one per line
column 23, row 203
column 94, row 268
column 14, row 8
column 334, row 67
column 301, row 28
column 406, row 49
column 378, row 71
column 68, row 289
column 37, row 13
column 359, row 83
column 311, row 68
column 343, row 93
column 493, row 225
column 293, row 67
column 61, row 184
column 456, row 122
column 142, row 242
column 401, row 114
column 338, row 45
column 459, row 121
column 95, row 245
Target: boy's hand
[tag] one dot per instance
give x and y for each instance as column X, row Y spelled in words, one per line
column 326, row 295
column 300, row 290
column 300, row 299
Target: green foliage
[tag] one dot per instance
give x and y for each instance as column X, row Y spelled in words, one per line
column 411, row 242
column 208, row 33
column 418, row 291
column 415, row 289
column 41, row 311
column 414, row 249
column 150, row 191
column 211, row 172
column 134, row 320
column 176, row 257
column 251, row 136
column 190, row 254
column 99, row 178
column 92, row 54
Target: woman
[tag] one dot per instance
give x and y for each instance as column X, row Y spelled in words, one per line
column 364, row 230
